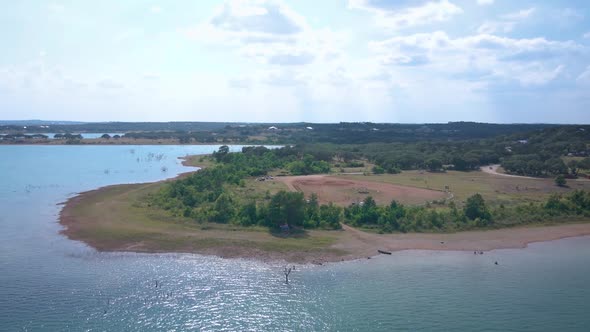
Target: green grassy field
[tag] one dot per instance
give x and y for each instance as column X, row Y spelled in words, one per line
column 495, row 189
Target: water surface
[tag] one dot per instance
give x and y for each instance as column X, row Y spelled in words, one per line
column 50, row 283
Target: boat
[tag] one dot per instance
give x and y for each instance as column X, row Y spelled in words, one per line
column 384, row 252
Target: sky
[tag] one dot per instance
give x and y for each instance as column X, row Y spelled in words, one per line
column 413, row 61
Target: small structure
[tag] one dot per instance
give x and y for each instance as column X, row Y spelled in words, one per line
column 273, row 128
column 264, row 178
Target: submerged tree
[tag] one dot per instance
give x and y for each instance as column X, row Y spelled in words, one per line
column 287, row 272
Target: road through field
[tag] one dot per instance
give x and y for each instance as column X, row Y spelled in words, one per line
column 493, row 169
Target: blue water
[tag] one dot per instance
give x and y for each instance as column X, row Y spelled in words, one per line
column 50, row 283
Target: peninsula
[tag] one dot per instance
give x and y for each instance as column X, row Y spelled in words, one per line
column 268, row 205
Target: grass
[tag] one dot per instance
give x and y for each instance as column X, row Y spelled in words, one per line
column 117, row 218
column 257, row 190
column 495, row 189
column 200, row 160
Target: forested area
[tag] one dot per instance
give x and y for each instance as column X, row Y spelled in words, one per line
column 282, row 133
column 540, row 154
column 207, row 195
column 475, row 214
column 533, row 154
column 522, row 149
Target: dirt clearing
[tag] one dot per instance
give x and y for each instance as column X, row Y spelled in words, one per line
column 344, row 192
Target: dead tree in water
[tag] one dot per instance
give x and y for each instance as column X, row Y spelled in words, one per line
column 288, row 271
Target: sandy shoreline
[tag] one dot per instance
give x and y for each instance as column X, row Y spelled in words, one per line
column 92, row 226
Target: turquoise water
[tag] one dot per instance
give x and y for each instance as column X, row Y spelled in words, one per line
column 49, row 283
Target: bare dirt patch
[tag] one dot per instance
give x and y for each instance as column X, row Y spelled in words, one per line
column 344, row 192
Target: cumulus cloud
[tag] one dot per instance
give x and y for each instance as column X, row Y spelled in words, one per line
column 258, row 17
column 485, row 2
column 490, row 27
column 529, row 61
column 569, row 15
column 519, row 15
column 506, row 23
column 585, row 75
column 587, row 35
column 392, row 17
column 109, row 84
column 251, row 21
column 266, row 30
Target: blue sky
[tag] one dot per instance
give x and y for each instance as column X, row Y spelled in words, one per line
column 284, row 61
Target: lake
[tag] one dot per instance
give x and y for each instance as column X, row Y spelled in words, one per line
column 50, row 283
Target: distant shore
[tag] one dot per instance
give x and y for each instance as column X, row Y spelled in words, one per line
column 114, row 218
column 120, row 141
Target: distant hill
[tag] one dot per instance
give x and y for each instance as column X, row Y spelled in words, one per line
column 37, row 122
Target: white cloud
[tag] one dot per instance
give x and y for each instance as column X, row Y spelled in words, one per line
column 531, row 74
column 490, row 27
column 587, row 35
column 109, row 84
column 528, row 61
column 506, row 23
column 258, row 17
column 584, row 76
column 519, row 15
column 155, row 9
column 399, row 18
column 267, row 31
column 569, row 15
column 485, row 2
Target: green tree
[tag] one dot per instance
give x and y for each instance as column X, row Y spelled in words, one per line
column 434, row 165
column 573, row 166
column 248, row 214
column 312, row 210
column 286, row 208
column 330, row 216
column 584, row 163
column 221, row 153
column 560, row 180
column 378, row 169
column 475, row 207
column 223, row 209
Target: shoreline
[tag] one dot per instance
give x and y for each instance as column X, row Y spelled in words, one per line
column 92, row 142
column 107, row 220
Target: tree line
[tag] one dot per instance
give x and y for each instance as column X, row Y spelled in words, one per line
column 209, row 195
column 475, row 214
